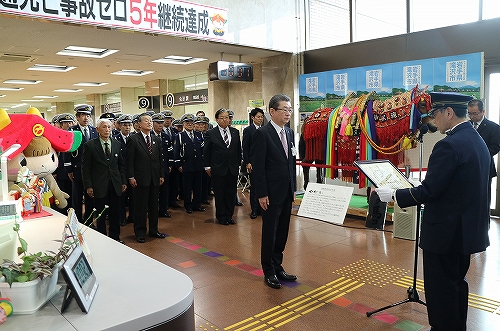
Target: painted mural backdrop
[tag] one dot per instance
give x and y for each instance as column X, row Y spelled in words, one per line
column 376, row 112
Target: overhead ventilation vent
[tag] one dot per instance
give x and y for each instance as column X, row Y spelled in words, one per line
column 16, row 57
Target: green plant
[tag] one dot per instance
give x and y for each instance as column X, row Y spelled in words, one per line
column 34, row 265
column 39, row 265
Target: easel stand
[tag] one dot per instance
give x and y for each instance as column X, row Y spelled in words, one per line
column 413, row 295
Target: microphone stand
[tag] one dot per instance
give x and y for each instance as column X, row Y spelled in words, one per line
column 413, row 295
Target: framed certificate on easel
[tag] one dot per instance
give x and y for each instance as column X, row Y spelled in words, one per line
column 383, row 173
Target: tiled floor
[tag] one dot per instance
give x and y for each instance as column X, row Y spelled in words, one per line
column 343, row 272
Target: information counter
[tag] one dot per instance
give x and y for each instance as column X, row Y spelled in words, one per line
column 135, row 291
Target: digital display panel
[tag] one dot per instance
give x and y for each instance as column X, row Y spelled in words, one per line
column 234, row 71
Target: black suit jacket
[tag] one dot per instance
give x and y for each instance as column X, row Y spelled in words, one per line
column 221, row 159
column 247, row 143
column 98, row 171
column 274, row 174
column 454, row 191
column 144, row 167
column 490, row 132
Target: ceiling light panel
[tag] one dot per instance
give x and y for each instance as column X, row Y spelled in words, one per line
column 175, row 59
column 49, row 67
column 86, row 52
column 11, row 88
column 126, row 72
column 45, row 96
column 90, row 84
column 67, row 90
column 22, row 81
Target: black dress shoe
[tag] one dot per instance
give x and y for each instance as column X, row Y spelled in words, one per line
column 199, row 209
column 123, row 223
column 238, row 203
column 284, row 276
column 253, row 215
column 120, row 241
column 205, row 202
column 231, row 221
column 272, row 282
column 141, row 239
column 223, row 222
column 158, row 235
column 189, row 211
column 166, row 214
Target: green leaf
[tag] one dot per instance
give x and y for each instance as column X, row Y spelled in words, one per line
column 23, row 279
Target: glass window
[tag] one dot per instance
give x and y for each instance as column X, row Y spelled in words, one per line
column 328, row 23
column 431, row 14
column 491, row 9
column 381, row 18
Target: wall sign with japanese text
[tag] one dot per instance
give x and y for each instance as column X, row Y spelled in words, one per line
column 172, row 17
column 186, row 98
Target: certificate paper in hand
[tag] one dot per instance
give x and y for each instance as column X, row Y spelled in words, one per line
column 383, row 173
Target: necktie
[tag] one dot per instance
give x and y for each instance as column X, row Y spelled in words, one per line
column 148, row 142
column 106, row 150
column 283, row 142
column 191, row 135
column 475, row 125
column 86, row 133
column 226, row 138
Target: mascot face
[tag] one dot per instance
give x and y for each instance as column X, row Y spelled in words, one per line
column 43, row 165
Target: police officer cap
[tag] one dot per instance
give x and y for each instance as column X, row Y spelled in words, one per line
column 187, row 117
column 198, row 119
column 55, row 119
column 109, row 116
column 457, row 101
column 158, row 117
column 84, row 109
column 125, row 118
column 135, row 118
column 230, row 113
column 149, row 112
column 66, row 118
column 176, row 122
column 206, row 119
column 167, row 114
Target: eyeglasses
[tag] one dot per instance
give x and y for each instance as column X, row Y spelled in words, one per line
column 432, row 113
column 474, row 114
column 290, row 110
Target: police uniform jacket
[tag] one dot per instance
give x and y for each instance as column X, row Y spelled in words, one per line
column 75, row 157
column 454, row 191
column 189, row 153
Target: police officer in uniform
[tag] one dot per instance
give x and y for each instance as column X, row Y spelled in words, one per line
column 168, row 161
column 78, row 193
column 189, row 161
column 201, row 125
column 64, row 121
column 127, row 197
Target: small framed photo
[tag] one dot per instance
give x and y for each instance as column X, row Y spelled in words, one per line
column 80, row 279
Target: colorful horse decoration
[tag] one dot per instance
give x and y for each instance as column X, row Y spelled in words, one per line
column 366, row 128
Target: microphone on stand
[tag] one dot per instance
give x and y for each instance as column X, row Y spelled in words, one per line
column 424, row 128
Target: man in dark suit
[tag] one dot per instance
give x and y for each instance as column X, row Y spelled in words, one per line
column 222, row 157
column 188, row 153
column 456, row 217
column 273, row 165
column 488, row 130
column 127, row 198
column 257, row 116
column 78, row 193
column 104, row 177
column 145, row 174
